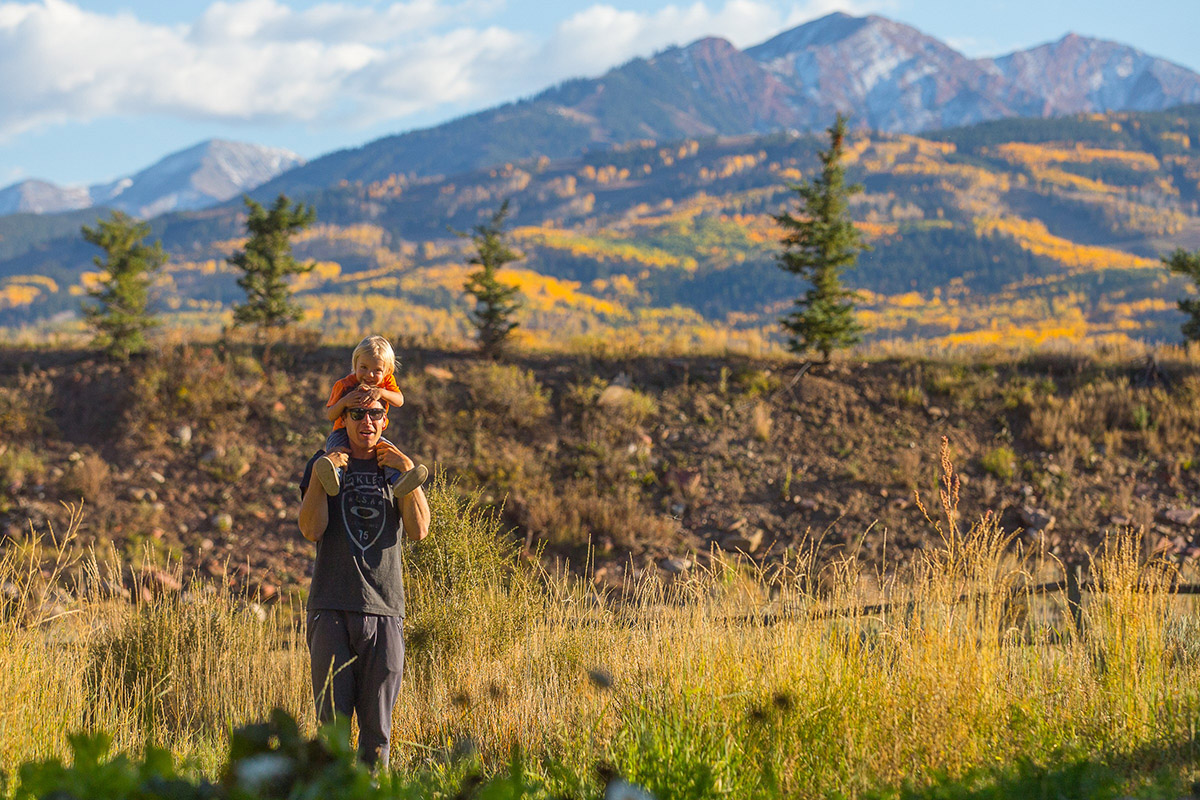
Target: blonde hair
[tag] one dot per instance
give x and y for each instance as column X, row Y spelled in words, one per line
column 376, row 346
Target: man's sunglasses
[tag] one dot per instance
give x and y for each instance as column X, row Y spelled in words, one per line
column 357, row 414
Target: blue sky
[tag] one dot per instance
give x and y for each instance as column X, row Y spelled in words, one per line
column 91, row 90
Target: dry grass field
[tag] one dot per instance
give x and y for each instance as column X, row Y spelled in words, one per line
column 735, row 680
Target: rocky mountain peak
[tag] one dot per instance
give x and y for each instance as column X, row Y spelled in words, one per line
column 203, row 175
column 1079, row 74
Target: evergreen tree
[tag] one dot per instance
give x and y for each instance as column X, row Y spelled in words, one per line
column 495, row 302
column 267, row 263
column 1185, row 263
column 818, row 245
column 120, row 317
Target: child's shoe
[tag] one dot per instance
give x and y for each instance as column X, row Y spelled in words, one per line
column 327, row 474
column 409, row 480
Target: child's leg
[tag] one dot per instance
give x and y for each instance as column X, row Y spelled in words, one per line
column 338, row 439
column 329, row 475
column 404, row 482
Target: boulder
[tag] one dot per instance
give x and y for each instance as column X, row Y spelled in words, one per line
column 1188, row 517
column 1036, row 519
column 161, row 582
column 747, row 541
column 684, row 481
column 676, row 565
column 614, row 397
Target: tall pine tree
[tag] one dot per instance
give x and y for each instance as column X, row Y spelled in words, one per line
column 120, row 316
column 267, row 263
column 495, row 302
column 818, row 245
column 1188, row 264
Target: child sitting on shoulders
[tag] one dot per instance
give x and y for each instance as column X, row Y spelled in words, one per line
column 373, row 378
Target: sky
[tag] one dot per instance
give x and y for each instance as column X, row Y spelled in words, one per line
column 93, row 90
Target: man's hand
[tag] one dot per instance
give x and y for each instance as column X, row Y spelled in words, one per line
column 388, row 455
column 339, row 457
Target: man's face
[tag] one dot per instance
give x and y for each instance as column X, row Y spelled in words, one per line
column 364, row 433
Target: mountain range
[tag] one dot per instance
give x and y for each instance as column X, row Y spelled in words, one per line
column 888, row 76
column 201, row 176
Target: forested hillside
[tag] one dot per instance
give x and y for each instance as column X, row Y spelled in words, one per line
column 1018, row 230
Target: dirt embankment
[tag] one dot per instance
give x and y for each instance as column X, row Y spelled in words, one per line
column 642, row 464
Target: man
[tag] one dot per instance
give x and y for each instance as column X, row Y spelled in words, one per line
column 356, row 601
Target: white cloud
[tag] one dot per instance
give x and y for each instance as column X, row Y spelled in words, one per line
column 331, row 64
column 253, row 60
column 601, row 36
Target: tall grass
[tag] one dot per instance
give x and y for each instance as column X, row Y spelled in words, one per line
column 733, row 680
column 176, row 669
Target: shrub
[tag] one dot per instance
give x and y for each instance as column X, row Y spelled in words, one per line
column 23, row 410
column 510, row 398
column 88, row 478
column 909, row 395
column 465, row 585
column 753, row 382
column 1001, row 462
column 575, row 514
column 203, row 384
column 269, row 760
column 18, row 466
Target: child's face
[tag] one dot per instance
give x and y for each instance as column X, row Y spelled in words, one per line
column 370, row 369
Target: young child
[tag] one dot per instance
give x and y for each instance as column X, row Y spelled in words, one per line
column 373, row 378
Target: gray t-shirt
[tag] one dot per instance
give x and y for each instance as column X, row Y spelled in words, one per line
column 358, row 566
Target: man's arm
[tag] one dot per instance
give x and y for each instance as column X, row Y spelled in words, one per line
column 314, row 507
column 414, row 508
column 314, row 512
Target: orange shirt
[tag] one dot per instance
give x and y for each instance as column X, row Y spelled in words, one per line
column 348, row 383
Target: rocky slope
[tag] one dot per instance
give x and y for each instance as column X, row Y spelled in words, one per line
column 639, row 464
